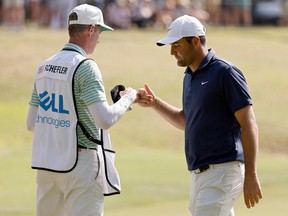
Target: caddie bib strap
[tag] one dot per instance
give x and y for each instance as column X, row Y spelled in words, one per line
column 69, row 49
column 108, row 172
column 89, row 136
column 86, row 133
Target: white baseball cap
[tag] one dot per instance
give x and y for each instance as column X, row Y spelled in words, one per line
column 184, row 26
column 89, row 15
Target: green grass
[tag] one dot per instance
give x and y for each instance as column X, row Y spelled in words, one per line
column 150, row 155
column 154, row 181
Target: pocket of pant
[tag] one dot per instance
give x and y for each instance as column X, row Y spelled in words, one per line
column 97, row 166
column 232, row 180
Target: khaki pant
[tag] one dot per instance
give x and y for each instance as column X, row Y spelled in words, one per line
column 76, row 193
column 215, row 191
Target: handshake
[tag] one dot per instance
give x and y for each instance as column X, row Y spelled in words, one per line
column 144, row 97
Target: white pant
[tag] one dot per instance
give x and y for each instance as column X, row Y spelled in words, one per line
column 76, row 193
column 215, row 191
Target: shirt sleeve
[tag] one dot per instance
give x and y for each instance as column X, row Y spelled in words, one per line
column 235, row 89
column 34, row 101
column 90, row 83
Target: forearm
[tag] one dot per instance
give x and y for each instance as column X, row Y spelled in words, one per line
column 31, row 117
column 250, row 148
column 173, row 115
column 105, row 115
column 252, row 189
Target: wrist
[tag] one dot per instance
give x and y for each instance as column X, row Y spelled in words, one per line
column 155, row 102
column 126, row 101
column 250, row 174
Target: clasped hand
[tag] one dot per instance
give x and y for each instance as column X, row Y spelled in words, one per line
column 144, row 97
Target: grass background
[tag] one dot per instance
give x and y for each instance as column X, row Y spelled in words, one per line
column 150, row 155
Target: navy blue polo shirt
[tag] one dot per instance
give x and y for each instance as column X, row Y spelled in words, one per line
column 211, row 95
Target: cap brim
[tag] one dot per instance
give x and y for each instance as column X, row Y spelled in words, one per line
column 106, row 28
column 167, row 40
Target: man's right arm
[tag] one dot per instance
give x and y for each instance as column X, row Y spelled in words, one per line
column 172, row 114
column 105, row 115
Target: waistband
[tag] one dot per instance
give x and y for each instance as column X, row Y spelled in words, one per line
column 206, row 167
column 83, row 147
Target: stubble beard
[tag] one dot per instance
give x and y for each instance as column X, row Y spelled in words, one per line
column 181, row 63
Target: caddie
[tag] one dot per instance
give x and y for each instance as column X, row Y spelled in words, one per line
column 68, row 112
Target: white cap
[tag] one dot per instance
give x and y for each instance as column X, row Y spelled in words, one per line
column 184, row 26
column 89, row 15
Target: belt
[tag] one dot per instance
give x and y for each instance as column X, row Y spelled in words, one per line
column 201, row 169
column 206, row 167
column 83, row 147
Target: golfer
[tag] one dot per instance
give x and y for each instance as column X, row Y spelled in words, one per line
column 68, row 102
column 221, row 134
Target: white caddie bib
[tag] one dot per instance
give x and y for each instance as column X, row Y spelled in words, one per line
column 108, row 173
column 55, row 138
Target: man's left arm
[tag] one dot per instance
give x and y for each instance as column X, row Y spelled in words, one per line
column 247, row 121
column 31, row 117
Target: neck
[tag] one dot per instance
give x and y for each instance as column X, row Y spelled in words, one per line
column 202, row 54
column 81, row 43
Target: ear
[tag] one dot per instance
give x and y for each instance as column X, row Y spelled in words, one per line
column 91, row 28
column 196, row 41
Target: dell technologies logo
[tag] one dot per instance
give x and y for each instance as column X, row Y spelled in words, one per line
column 47, row 102
column 54, row 103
